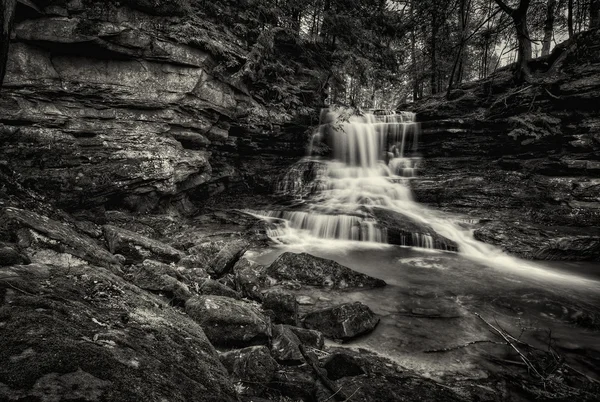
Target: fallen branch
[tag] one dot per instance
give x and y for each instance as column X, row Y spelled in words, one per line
column 314, row 364
column 508, row 341
column 451, row 348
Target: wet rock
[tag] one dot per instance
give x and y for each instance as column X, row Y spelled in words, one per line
column 229, row 322
column 137, row 248
column 253, row 364
column 308, row 337
column 533, row 241
column 283, row 306
column 42, row 238
column 100, row 338
column 285, row 346
column 306, row 269
column 217, row 257
column 226, row 258
column 579, row 248
column 342, row 322
column 249, row 278
column 341, row 365
column 160, row 278
column 215, row 288
column 405, row 231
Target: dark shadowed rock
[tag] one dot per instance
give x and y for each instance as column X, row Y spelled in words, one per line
column 136, row 247
column 306, row 269
column 229, row 322
column 308, row 337
column 212, row 287
column 342, row 365
column 297, row 382
column 285, row 346
column 384, row 380
column 103, row 340
column 343, row 322
column 44, row 239
column 160, row 278
column 283, row 306
column 249, row 278
column 577, row 248
column 405, row 231
column 11, row 256
column 252, row 364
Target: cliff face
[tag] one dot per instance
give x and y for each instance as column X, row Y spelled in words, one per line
column 527, row 158
column 106, row 104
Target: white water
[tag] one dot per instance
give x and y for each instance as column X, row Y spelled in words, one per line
column 371, row 166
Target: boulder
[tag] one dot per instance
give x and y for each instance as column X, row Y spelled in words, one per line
column 252, row 364
column 249, row 278
column 99, row 338
column 160, row 278
column 342, row 322
column 405, row 231
column 308, row 337
column 217, row 257
column 282, row 305
column 215, row 288
column 229, row 322
column 226, row 258
column 306, row 269
column 285, row 346
column 136, row 247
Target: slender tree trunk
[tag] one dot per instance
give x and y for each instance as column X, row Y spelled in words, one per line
column 548, row 27
column 570, row 18
column 7, row 16
column 413, row 51
column 594, row 14
column 519, row 17
column 433, row 54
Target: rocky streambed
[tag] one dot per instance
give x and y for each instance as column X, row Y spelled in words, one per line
column 206, row 308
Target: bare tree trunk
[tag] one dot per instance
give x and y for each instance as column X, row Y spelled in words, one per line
column 548, row 27
column 519, row 17
column 413, row 51
column 570, row 18
column 7, row 16
column 594, row 14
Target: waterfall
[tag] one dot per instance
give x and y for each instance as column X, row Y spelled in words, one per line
column 371, row 161
column 360, row 192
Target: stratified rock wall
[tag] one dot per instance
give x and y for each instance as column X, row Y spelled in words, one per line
column 104, row 103
column 533, row 149
column 521, row 156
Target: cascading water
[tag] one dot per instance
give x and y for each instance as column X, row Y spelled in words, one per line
column 367, row 169
column 360, row 192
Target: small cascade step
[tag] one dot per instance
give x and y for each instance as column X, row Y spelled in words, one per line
column 371, row 156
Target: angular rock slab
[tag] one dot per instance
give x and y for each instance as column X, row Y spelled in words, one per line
column 158, row 277
column 314, row 271
column 342, row 322
column 283, row 306
column 36, row 230
column 229, row 322
column 285, row 346
column 136, row 247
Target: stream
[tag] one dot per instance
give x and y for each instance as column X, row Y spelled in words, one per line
column 439, row 277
